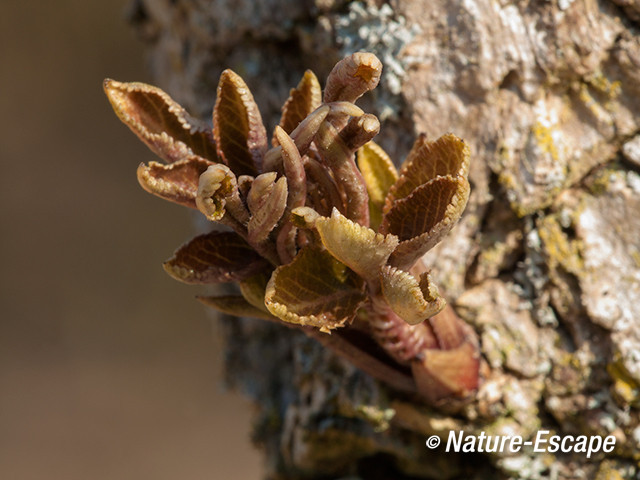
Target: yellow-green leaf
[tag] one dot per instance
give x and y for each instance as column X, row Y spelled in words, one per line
column 411, row 300
column 358, row 247
column 213, row 258
column 176, row 182
column 423, row 218
column 240, row 136
column 167, row 129
column 236, row 306
column 447, row 156
column 303, row 100
column 379, row 175
column 315, row 289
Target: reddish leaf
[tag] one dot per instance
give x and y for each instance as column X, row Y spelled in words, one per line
column 315, row 289
column 447, row 373
column 213, row 258
column 160, row 122
column 176, row 182
column 237, row 126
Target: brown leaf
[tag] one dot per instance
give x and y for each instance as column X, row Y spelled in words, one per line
column 448, row 155
column 167, row 129
column 358, row 247
column 237, row 126
column 411, row 300
column 423, row 218
column 214, row 258
column 303, row 100
column 379, row 175
column 176, row 182
column 315, row 289
column 236, row 306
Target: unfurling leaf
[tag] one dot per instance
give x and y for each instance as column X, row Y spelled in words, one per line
column 303, row 100
column 302, row 137
column 303, row 134
column 236, row 306
column 340, row 160
column 267, row 201
column 379, row 175
column 352, row 77
column 216, row 185
column 176, row 182
column 448, row 155
column 296, row 194
column 213, row 258
column 360, row 130
column 411, row 300
column 445, row 373
column 163, row 125
column 240, row 136
column 423, row 218
column 360, row 248
column 315, row 289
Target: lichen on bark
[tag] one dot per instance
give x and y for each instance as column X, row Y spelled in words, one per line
column 545, row 263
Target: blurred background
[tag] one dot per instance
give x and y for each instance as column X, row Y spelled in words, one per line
column 109, row 369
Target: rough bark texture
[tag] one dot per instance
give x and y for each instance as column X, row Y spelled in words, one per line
column 545, row 264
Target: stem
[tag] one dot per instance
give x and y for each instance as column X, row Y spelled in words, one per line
column 402, row 341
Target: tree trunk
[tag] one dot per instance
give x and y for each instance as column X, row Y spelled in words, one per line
column 545, row 264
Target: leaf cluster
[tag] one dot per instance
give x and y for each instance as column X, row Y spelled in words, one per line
column 321, row 224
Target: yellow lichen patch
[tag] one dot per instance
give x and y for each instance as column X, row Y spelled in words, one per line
column 545, row 140
column 608, row 471
column 603, row 85
column 625, row 390
column 380, row 418
column 601, row 112
column 560, row 250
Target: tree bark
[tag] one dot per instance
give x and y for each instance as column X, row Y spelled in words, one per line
column 545, row 264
